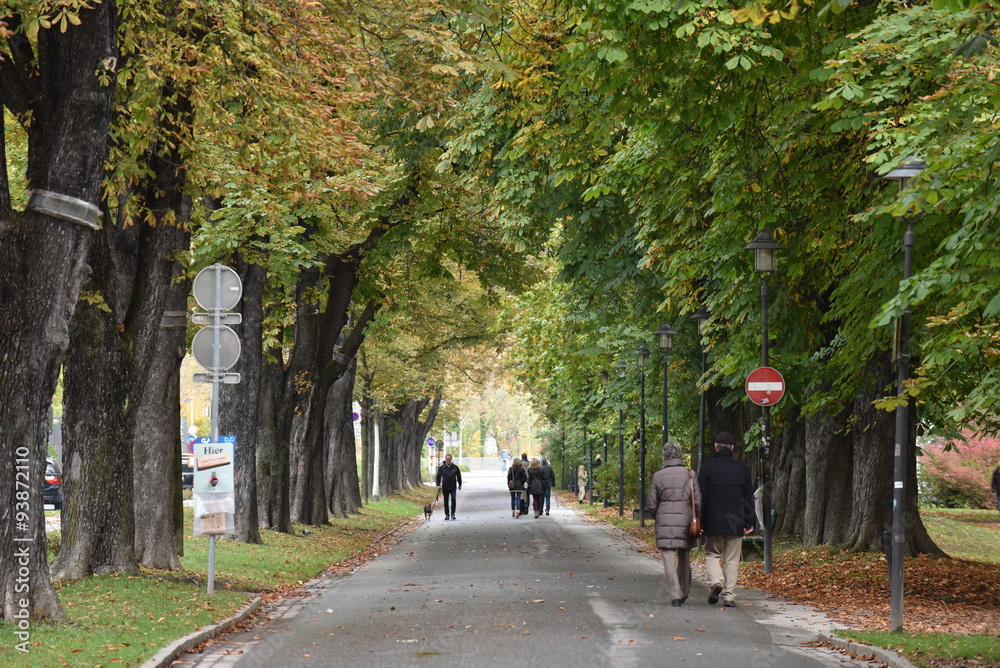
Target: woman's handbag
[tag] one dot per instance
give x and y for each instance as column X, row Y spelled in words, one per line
column 510, row 483
column 695, row 529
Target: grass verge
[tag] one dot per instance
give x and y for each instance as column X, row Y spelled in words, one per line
column 116, row 620
column 952, row 607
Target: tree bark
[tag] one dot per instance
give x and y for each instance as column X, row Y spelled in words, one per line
column 788, row 494
column 273, row 509
column 342, row 490
column 829, row 471
column 40, row 281
column 239, row 405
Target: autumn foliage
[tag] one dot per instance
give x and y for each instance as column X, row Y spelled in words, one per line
column 956, row 474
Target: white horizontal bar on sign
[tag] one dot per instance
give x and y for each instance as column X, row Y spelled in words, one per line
column 765, row 387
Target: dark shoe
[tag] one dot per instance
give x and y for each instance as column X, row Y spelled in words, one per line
column 677, row 602
column 713, row 596
column 453, row 517
column 729, row 604
column 684, row 600
column 447, row 517
column 546, row 512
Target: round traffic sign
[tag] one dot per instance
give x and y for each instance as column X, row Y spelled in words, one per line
column 217, row 288
column 765, row 386
column 203, row 347
column 430, row 440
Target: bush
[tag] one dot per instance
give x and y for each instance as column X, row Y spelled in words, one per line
column 957, row 474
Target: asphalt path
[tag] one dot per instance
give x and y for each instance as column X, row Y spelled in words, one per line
column 492, row 590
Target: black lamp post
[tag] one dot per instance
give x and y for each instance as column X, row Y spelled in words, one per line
column 666, row 339
column 621, row 367
column 700, row 316
column 642, row 354
column 911, row 167
column 604, row 457
column 763, row 247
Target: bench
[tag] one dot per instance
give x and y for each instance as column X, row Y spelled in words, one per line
column 753, row 546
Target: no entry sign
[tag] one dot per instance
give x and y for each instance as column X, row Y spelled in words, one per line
column 765, row 386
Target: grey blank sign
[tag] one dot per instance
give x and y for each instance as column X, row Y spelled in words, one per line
column 231, row 288
column 203, row 346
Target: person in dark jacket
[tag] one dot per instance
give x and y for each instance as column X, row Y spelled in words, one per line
column 517, row 478
column 727, row 515
column 536, row 485
column 995, row 486
column 449, row 479
column 670, row 500
column 550, row 483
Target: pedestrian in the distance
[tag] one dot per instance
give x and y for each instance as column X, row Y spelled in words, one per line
column 727, row 515
column 449, row 480
column 517, row 477
column 550, row 483
column 674, row 499
column 524, row 493
column 504, row 459
column 536, row 485
column 581, row 482
column 995, row 486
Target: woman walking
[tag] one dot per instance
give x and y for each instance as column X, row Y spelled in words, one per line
column 517, row 476
column 675, row 500
column 537, row 479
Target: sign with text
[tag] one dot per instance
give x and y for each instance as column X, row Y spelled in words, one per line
column 213, row 470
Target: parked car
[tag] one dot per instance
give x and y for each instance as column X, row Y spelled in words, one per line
column 187, row 472
column 52, row 485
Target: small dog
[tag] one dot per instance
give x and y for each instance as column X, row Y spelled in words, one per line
column 427, row 511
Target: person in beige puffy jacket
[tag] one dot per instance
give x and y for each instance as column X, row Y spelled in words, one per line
column 669, row 501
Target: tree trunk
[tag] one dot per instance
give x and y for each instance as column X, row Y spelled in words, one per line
column 158, row 345
column 788, row 496
column 342, row 490
column 273, row 511
column 40, row 280
column 98, row 527
column 829, row 471
column 239, row 405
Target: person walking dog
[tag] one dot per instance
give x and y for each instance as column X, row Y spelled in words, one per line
column 674, row 501
column 727, row 515
column 449, row 480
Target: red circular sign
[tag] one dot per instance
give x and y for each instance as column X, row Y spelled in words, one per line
column 765, row 386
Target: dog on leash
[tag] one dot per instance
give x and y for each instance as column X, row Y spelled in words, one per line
column 427, row 511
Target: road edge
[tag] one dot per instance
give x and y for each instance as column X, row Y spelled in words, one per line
column 166, row 656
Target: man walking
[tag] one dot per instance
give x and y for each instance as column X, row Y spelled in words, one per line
column 550, row 478
column 995, row 486
column 449, row 477
column 727, row 515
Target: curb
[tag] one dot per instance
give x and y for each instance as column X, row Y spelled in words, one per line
column 886, row 656
column 166, row 656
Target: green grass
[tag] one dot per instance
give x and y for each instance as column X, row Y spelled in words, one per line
column 973, row 535
column 116, row 620
column 928, row 649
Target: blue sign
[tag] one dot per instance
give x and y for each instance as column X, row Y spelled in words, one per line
column 430, row 440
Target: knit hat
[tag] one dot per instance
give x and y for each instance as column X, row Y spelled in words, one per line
column 725, row 438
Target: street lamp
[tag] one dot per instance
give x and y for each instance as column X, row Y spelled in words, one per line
column 763, row 247
column 621, row 367
column 910, row 167
column 642, row 354
column 700, row 316
column 666, row 339
column 605, row 377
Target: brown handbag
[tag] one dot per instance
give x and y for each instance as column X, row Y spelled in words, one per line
column 694, row 530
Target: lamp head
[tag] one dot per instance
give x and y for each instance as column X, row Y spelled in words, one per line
column 666, row 336
column 642, row 354
column 763, row 247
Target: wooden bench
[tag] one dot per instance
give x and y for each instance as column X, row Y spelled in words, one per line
column 753, row 546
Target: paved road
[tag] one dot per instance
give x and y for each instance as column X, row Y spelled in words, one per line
column 491, row 590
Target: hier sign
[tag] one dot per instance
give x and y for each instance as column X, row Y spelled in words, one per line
column 765, row 386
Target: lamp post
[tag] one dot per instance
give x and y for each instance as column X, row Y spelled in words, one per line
column 605, row 376
column 589, row 486
column 911, row 167
column 763, row 247
column 666, row 339
column 700, row 316
column 622, row 366
column 642, row 354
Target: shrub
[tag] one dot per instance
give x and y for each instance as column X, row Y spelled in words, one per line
column 956, row 474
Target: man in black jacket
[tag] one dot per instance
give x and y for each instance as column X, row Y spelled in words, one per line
column 448, row 478
column 550, row 483
column 995, row 486
column 727, row 515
